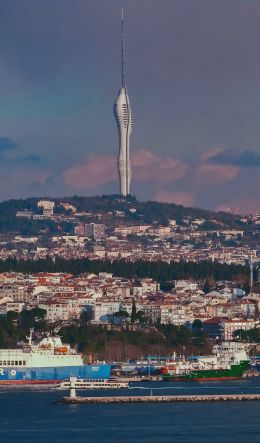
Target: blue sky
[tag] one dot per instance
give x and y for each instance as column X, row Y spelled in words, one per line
column 193, row 77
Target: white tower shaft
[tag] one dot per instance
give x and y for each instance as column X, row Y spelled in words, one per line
column 123, row 115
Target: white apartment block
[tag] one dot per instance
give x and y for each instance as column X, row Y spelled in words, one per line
column 174, row 314
column 230, row 326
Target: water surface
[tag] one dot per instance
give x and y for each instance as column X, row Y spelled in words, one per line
column 31, row 416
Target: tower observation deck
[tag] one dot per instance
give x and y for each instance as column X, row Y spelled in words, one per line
column 124, row 120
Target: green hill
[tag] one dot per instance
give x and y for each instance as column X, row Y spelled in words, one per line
column 111, row 208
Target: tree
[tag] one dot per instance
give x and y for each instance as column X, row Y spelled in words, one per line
column 87, row 315
column 197, row 327
column 38, row 314
column 133, row 313
column 140, row 317
column 35, row 318
column 206, row 287
column 121, row 314
column 241, row 334
column 119, row 317
column 252, row 335
column 12, row 315
column 166, row 286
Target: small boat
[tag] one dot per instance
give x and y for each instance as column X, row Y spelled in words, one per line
column 87, row 383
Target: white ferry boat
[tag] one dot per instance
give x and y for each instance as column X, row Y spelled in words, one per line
column 47, row 362
column 84, row 383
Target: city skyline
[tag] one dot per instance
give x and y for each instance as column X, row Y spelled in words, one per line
column 193, row 72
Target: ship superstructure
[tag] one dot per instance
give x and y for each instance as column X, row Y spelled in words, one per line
column 124, row 119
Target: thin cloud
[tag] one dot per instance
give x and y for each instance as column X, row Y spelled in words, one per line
column 148, row 166
column 31, row 158
column 6, row 144
column 214, row 174
column 99, row 170
column 247, row 158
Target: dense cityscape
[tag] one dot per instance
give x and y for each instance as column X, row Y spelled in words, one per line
column 94, row 266
column 129, row 236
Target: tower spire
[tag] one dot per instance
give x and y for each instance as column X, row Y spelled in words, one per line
column 122, row 50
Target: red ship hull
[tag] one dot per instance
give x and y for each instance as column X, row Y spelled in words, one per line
column 29, row 382
column 202, row 379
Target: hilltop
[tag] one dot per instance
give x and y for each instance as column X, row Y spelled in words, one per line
column 112, row 210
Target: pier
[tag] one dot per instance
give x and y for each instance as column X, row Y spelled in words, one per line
column 160, row 399
column 75, row 399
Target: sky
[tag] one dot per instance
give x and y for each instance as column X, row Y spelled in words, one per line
column 193, row 79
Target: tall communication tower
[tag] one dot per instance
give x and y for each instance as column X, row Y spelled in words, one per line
column 124, row 120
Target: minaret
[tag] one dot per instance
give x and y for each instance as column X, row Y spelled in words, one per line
column 123, row 115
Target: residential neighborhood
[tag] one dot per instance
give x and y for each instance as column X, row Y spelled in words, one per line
column 108, row 300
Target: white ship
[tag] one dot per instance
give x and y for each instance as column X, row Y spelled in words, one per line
column 47, row 362
column 93, row 384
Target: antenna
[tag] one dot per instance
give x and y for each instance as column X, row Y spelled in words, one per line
column 122, row 50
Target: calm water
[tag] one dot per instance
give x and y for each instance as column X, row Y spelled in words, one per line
column 30, row 416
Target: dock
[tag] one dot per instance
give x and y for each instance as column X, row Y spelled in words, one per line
column 160, row 399
column 75, row 399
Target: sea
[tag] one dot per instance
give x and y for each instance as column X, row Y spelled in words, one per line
column 32, row 415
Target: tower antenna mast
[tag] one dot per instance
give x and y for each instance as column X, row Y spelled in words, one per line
column 122, row 50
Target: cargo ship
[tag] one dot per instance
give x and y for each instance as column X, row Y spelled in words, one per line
column 228, row 362
column 47, row 362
